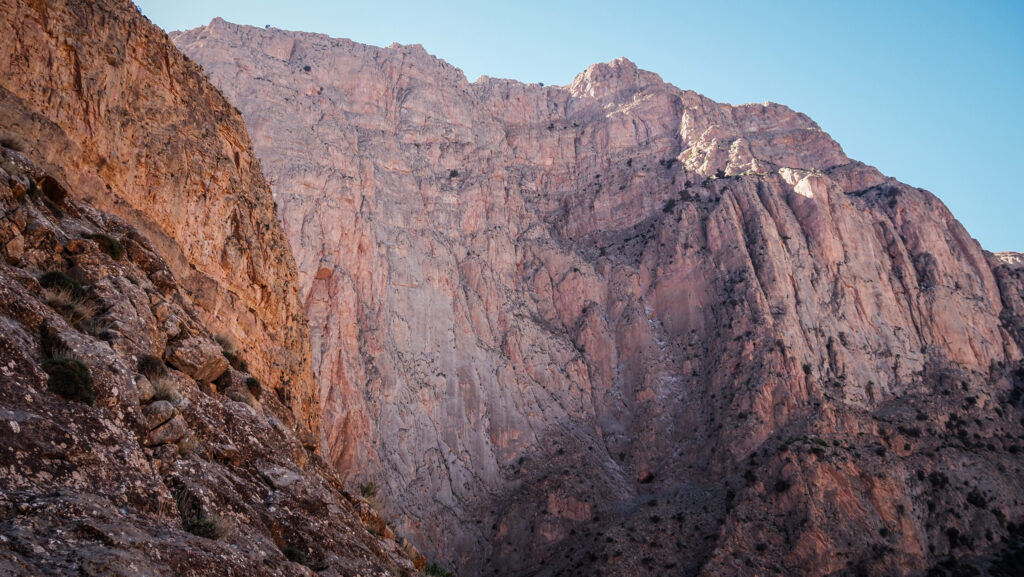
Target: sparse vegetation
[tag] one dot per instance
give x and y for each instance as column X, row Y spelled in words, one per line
column 254, row 386
column 977, row 499
column 108, row 244
column 295, row 555
column 78, row 310
column 165, row 390
column 435, row 570
column 193, row 518
column 152, row 367
column 57, row 280
column 230, row 351
column 368, row 489
column 70, row 378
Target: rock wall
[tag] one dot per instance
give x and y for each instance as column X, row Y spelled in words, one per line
column 116, row 461
column 101, row 98
column 617, row 326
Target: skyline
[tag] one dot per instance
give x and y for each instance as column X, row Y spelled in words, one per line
column 923, row 92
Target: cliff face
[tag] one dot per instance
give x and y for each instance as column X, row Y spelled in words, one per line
column 102, row 99
column 617, row 326
column 156, row 401
column 115, row 460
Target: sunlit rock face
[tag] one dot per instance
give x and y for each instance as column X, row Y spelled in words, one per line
column 128, row 124
column 615, row 326
column 158, row 412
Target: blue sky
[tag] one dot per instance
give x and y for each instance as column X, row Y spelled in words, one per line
column 930, row 92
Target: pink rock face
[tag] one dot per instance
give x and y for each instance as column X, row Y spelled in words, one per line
column 617, row 325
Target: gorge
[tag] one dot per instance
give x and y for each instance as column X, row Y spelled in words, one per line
column 543, row 317
column 418, row 323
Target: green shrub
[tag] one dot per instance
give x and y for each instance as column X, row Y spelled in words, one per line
column 368, row 489
column 436, row 570
column 453, row 174
column 152, row 367
column 193, row 519
column 58, row 280
column 254, row 386
column 108, row 244
column 70, row 378
column 294, row 555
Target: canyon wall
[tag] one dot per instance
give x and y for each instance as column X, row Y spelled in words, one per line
column 157, row 406
column 100, row 97
column 615, row 326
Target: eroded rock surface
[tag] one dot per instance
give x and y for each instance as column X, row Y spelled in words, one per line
column 617, row 327
column 98, row 96
column 136, row 230
column 174, row 480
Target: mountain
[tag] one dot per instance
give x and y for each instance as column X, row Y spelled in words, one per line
column 617, row 328
column 157, row 400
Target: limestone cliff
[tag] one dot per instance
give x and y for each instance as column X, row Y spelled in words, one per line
column 117, row 461
column 157, row 407
column 102, row 99
column 617, row 327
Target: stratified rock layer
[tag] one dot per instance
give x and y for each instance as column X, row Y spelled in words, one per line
column 101, row 98
column 615, row 326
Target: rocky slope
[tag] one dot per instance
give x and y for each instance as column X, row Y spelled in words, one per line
column 156, row 400
column 617, row 328
column 100, row 98
column 130, row 445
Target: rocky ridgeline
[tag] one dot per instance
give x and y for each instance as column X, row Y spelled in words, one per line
column 617, row 328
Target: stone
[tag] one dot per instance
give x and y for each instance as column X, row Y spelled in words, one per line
column 589, row 294
column 169, row 432
column 281, row 478
column 214, row 225
column 145, row 388
column 137, row 137
column 158, row 413
column 15, row 248
column 197, row 357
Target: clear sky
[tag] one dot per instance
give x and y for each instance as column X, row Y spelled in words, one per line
column 930, row 92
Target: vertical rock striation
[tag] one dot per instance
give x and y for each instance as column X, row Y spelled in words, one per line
column 135, row 226
column 618, row 326
column 120, row 117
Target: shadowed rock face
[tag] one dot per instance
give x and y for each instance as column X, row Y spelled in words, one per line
column 615, row 326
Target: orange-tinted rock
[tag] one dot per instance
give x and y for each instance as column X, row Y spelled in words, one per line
column 96, row 92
